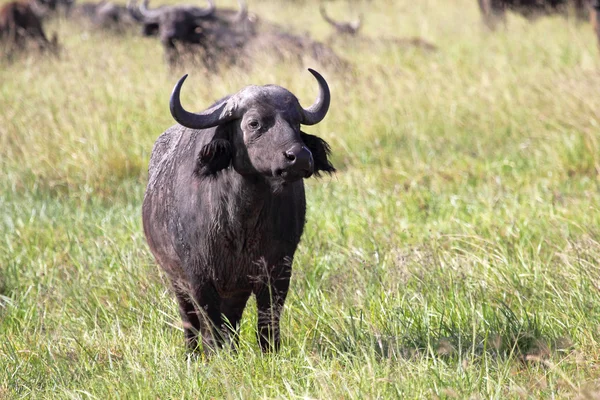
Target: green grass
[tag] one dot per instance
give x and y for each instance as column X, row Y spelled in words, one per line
column 456, row 253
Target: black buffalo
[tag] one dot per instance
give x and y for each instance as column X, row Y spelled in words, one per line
column 494, row 11
column 189, row 25
column 19, row 23
column 216, row 37
column 252, row 40
column 224, row 208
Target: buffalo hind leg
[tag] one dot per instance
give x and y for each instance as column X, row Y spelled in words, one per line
column 232, row 309
column 270, row 298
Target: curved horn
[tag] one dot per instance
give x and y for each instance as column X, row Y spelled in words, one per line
column 219, row 113
column 315, row 113
column 242, row 14
column 205, row 12
column 134, row 11
column 148, row 14
column 326, row 17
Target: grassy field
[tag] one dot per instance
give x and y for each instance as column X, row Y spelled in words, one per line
column 455, row 254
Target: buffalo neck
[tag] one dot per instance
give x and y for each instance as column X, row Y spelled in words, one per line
column 241, row 199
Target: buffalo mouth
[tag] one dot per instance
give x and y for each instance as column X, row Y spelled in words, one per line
column 289, row 176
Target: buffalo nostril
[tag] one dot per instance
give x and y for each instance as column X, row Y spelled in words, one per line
column 290, row 156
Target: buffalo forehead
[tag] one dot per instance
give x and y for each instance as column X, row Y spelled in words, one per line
column 272, row 97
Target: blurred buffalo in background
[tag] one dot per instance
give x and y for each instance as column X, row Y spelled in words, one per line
column 348, row 33
column 494, row 11
column 217, row 37
column 179, row 26
column 19, row 24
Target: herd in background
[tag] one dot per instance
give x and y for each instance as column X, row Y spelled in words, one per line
column 216, row 36
column 494, row 11
column 211, row 35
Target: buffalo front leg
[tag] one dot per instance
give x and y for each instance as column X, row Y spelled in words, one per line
column 270, row 298
column 232, row 309
column 208, row 303
column 42, row 41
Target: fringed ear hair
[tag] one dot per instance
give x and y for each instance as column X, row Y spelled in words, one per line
column 320, row 151
column 214, row 156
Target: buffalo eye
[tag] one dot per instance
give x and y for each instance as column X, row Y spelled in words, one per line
column 254, row 125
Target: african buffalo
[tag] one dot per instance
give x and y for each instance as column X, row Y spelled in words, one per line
column 252, row 39
column 224, row 208
column 348, row 33
column 20, row 23
column 494, row 11
column 183, row 24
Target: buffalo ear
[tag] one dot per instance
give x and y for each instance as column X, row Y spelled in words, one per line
column 215, row 156
column 320, row 151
